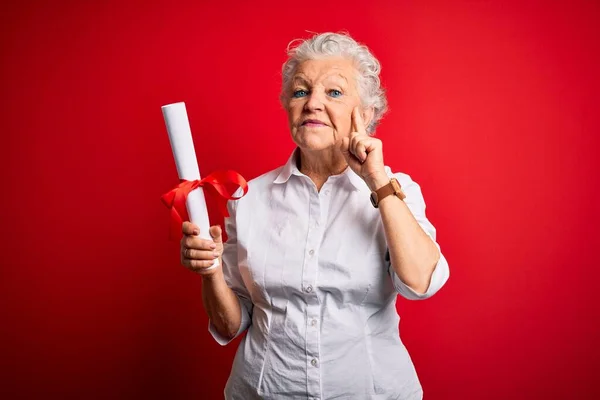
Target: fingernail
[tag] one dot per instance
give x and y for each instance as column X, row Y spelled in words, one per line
column 215, row 254
column 213, row 246
column 196, row 232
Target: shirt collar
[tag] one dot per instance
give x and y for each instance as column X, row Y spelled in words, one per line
column 291, row 168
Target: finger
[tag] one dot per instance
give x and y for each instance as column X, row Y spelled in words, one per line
column 216, row 233
column 358, row 147
column 194, row 242
column 192, row 254
column 199, row 265
column 346, row 149
column 360, row 151
column 189, row 228
column 358, row 123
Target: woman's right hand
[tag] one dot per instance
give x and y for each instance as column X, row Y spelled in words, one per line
column 198, row 254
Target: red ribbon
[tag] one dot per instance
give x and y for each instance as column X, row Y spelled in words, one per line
column 175, row 198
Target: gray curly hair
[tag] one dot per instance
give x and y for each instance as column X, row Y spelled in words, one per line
column 340, row 45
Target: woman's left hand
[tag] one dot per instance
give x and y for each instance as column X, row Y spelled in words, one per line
column 364, row 154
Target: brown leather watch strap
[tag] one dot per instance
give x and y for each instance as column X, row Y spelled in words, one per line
column 391, row 188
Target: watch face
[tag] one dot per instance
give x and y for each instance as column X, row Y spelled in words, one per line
column 373, row 198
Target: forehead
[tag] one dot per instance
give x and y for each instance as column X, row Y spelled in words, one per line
column 323, row 68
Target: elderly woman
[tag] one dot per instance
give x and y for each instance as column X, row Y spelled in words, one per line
column 319, row 248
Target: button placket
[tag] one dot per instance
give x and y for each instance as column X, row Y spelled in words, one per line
column 311, row 246
column 309, row 288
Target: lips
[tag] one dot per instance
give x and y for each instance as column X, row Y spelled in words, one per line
column 313, row 122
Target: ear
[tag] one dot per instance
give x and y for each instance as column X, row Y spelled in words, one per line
column 367, row 115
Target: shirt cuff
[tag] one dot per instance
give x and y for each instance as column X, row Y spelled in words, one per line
column 244, row 324
column 440, row 275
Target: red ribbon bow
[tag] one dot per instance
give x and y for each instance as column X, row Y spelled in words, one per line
column 175, row 198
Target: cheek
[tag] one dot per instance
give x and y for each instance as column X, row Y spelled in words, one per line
column 341, row 118
column 294, row 111
column 293, row 115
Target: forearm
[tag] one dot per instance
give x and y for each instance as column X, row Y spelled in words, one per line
column 221, row 305
column 413, row 254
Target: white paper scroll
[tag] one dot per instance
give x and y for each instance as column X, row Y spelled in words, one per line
column 182, row 144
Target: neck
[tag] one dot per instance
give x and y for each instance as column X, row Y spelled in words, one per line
column 320, row 165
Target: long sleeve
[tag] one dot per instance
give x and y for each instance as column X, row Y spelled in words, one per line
column 416, row 204
column 233, row 277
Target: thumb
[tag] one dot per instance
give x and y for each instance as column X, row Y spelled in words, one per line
column 216, row 233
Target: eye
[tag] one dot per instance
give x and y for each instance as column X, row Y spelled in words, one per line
column 335, row 93
column 299, row 93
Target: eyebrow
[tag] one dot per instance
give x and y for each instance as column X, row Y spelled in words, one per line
column 300, row 79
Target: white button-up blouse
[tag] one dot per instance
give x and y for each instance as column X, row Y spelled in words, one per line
column 317, row 291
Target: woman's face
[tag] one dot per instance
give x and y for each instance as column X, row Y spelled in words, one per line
column 320, row 101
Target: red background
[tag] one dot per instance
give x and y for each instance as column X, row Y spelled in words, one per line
column 494, row 111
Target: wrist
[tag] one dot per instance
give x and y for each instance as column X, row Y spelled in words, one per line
column 376, row 181
column 391, row 188
column 214, row 277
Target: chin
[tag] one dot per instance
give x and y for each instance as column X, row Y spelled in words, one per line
column 315, row 145
column 314, row 139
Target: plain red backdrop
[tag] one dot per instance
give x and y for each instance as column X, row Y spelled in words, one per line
column 493, row 110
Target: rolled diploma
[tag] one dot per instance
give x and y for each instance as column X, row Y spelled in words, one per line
column 182, row 144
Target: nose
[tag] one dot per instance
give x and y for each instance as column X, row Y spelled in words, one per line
column 314, row 102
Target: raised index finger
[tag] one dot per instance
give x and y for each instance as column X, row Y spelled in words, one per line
column 358, row 124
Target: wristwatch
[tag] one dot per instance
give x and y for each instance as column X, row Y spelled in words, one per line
column 391, row 188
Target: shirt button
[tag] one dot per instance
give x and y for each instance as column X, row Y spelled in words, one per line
column 314, row 362
column 312, row 252
column 313, row 322
column 327, row 192
column 308, row 289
